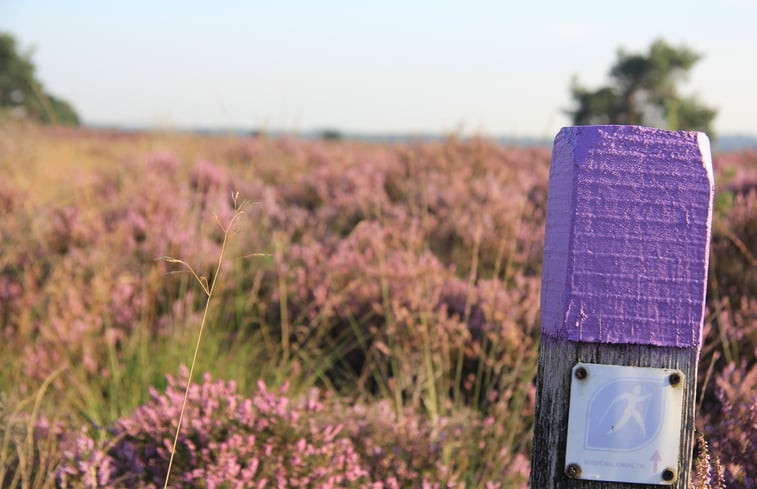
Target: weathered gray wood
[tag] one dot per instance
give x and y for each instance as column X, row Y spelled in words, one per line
column 556, row 359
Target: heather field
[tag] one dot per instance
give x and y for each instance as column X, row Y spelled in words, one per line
column 374, row 324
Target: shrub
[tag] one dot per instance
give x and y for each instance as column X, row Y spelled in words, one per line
column 270, row 440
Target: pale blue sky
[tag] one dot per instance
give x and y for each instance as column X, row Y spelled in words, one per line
column 489, row 67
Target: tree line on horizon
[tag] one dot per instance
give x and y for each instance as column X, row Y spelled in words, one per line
column 642, row 90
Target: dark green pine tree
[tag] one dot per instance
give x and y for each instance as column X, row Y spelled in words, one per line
column 643, row 90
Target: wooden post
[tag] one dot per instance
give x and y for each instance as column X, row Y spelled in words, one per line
column 623, row 284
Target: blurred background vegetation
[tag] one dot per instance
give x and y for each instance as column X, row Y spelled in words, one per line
column 643, row 90
column 22, row 96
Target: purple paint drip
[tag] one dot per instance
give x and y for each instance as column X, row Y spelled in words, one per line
column 626, row 252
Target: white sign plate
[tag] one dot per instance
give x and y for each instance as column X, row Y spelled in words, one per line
column 624, row 424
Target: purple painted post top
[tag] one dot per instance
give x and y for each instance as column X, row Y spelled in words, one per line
column 626, row 250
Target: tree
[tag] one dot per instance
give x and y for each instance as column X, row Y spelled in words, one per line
column 643, row 90
column 22, row 95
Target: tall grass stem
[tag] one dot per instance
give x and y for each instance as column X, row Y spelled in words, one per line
column 209, row 288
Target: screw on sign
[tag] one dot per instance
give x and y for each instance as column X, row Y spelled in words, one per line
column 622, row 307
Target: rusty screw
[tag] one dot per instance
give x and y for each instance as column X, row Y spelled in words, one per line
column 573, row 470
column 668, row 475
column 581, row 373
column 675, row 379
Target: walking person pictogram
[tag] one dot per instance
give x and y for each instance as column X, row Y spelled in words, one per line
column 634, row 410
